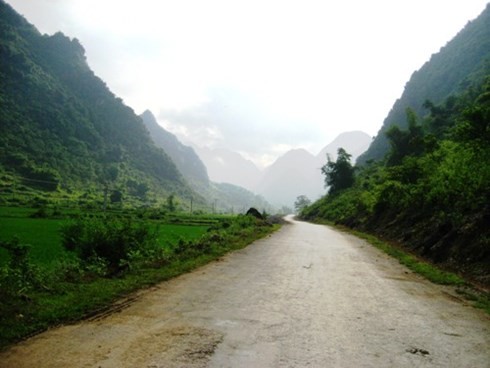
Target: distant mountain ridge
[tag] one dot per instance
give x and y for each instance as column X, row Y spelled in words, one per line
column 220, row 196
column 355, row 143
column 226, row 166
column 447, row 72
column 298, row 172
column 295, row 173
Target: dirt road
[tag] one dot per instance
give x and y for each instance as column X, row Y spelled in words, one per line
column 307, row 296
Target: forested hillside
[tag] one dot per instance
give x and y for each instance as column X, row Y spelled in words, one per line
column 432, row 191
column 62, row 128
column 450, row 71
column 221, row 197
column 183, row 156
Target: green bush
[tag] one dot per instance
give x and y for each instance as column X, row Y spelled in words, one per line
column 19, row 276
column 108, row 239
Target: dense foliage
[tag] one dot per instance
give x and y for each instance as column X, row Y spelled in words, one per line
column 458, row 64
column 339, row 174
column 111, row 241
column 432, row 191
column 62, row 128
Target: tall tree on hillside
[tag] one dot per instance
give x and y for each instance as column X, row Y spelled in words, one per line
column 339, row 175
column 474, row 123
column 404, row 143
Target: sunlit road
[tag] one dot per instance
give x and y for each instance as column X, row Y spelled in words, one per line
column 307, row 296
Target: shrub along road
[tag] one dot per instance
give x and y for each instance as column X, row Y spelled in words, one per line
column 305, row 296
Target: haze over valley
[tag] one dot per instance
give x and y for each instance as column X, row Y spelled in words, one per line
column 254, row 77
column 295, row 173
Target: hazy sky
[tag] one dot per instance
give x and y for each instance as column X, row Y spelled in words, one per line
column 258, row 77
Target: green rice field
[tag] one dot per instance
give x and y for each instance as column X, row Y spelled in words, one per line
column 44, row 237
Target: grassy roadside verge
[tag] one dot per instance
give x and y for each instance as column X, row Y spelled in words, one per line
column 479, row 299
column 68, row 301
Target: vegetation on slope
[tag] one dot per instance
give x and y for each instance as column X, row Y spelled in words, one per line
column 184, row 157
column 63, row 130
column 457, row 65
column 432, row 191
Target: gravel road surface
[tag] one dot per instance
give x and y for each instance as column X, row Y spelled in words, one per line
column 307, row 296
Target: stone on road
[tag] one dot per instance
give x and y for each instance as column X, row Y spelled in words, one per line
column 307, row 296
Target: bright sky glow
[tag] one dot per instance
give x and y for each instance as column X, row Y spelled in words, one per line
column 258, row 77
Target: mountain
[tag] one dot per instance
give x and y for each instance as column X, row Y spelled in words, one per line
column 447, row 72
column 293, row 174
column 298, row 172
column 217, row 197
column 62, row 128
column 226, row 166
column 355, row 143
column 183, row 156
column 235, row 199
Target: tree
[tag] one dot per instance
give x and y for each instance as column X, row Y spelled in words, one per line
column 339, row 175
column 111, row 173
column 301, row 202
column 171, row 205
column 109, row 177
column 473, row 127
column 141, row 190
column 405, row 142
column 116, row 196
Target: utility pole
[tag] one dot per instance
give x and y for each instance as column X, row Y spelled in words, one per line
column 191, row 205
